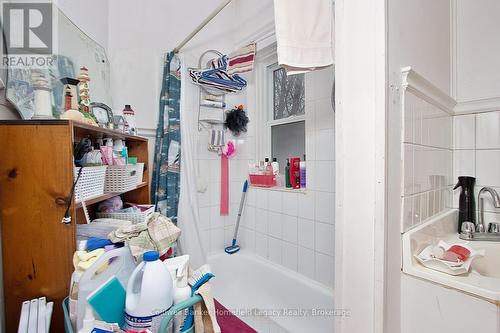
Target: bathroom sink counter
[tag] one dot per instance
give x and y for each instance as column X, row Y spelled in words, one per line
column 482, row 281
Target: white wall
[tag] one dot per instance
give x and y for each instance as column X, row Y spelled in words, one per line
column 476, row 49
column 419, row 36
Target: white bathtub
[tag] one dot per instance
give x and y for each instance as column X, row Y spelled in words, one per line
column 248, row 285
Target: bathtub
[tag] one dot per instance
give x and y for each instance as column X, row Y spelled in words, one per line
column 269, row 297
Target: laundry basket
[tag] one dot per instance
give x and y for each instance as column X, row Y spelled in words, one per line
column 68, row 328
column 90, row 183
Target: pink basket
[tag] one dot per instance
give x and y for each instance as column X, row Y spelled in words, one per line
column 263, row 180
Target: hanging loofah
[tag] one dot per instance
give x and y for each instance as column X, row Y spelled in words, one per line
column 236, row 120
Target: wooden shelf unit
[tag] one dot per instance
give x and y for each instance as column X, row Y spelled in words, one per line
column 36, row 175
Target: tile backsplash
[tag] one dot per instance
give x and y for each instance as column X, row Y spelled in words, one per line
column 437, row 149
column 427, row 161
column 477, row 154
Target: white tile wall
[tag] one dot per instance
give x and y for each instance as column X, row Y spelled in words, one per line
column 477, row 154
column 427, row 161
column 293, row 229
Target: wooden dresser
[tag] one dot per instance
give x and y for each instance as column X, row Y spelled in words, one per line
column 36, row 176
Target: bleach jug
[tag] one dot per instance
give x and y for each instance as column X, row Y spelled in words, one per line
column 149, row 294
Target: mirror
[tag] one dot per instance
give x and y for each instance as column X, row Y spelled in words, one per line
column 74, row 50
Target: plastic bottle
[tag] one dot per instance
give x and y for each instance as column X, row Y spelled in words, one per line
column 149, row 294
column 91, row 325
column 467, row 205
column 182, row 292
column 287, row 174
column 276, row 166
column 302, row 166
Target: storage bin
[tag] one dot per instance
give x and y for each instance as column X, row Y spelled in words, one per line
column 120, row 178
column 91, row 182
column 133, row 217
column 68, row 328
column 263, row 180
column 140, row 172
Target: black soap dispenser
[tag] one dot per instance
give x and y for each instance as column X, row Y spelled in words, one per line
column 467, row 206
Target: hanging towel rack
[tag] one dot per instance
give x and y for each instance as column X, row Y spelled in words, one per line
column 202, row 25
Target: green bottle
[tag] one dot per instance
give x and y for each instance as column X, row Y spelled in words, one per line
column 287, row 174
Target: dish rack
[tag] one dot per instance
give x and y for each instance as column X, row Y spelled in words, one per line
column 90, row 183
column 68, row 328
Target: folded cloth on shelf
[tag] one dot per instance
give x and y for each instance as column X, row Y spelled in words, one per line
column 205, row 319
column 158, row 233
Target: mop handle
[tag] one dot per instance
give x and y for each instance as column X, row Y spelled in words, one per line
column 242, row 202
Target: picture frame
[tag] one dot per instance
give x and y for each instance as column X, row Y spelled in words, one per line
column 102, row 113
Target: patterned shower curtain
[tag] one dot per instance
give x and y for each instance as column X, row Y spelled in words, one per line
column 166, row 173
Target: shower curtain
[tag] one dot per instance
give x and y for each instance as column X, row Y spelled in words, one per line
column 166, row 173
column 174, row 177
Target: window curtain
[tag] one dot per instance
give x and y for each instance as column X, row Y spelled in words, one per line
column 166, row 173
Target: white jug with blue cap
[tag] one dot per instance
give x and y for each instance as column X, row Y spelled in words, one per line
column 149, row 294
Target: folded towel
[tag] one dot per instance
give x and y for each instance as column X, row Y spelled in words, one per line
column 158, row 233
column 304, row 34
column 205, row 319
column 241, row 60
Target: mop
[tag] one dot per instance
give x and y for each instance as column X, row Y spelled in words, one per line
column 233, row 248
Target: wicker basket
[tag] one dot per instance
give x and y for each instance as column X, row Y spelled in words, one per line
column 140, row 172
column 132, row 217
column 91, row 182
column 120, row 178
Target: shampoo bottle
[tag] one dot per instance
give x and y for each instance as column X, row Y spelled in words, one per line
column 276, row 166
column 287, row 174
column 302, row 166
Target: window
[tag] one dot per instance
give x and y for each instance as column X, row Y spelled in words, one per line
column 285, row 115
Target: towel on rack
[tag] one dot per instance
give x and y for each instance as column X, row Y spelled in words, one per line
column 240, row 61
column 304, row 34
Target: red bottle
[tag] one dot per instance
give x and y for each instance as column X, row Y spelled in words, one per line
column 295, row 172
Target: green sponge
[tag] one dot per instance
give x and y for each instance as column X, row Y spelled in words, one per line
column 108, row 301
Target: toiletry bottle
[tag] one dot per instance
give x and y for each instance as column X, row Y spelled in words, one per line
column 466, row 207
column 276, row 166
column 287, row 174
column 268, row 166
column 181, row 293
column 295, row 172
column 302, row 166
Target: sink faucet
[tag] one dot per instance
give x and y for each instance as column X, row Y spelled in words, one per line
column 480, row 227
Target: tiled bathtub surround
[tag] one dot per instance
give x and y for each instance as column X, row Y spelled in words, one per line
column 477, row 154
column 427, row 161
column 292, row 229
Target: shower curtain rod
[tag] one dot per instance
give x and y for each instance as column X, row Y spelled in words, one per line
column 202, row 25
